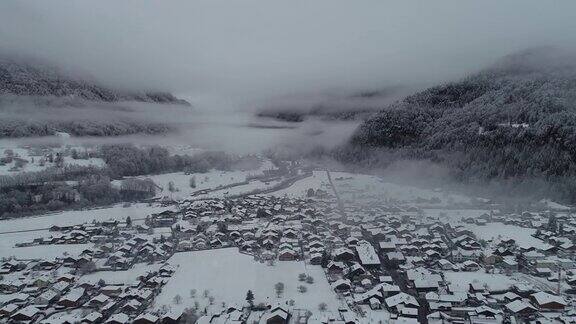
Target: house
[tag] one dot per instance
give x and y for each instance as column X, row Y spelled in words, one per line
column 8, row 310
column 316, row 258
column 399, row 301
column 343, row 254
column 172, row 317
column 335, row 267
column 375, row 303
column 509, row 264
column 367, row 255
column 520, row 307
column 445, row 264
column 111, row 291
column 277, row 315
column 72, row 299
column 342, row 285
column 98, row 301
column 469, row 265
column 28, row 314
column 146, row 318
column 47, row 297
column 94, row 317
column 546, row 301
column 287, row 254
column 119, row 318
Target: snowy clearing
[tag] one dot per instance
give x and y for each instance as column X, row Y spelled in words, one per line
column 228, row 275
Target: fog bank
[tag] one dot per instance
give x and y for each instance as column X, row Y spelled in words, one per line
column 259, row 48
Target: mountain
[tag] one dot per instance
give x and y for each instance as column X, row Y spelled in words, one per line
column 513, row 122
column 22, row 78
column 353, row 106
column 37, row 99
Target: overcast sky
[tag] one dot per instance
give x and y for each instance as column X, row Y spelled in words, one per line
column 254, row 48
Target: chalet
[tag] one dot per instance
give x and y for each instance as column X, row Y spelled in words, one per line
column 11, row 286
column 98, row 301
column 548, row 302
column 111, row 291
column 367, row 255
column 445, row 264
column 316, row 258
column 355, row 270
column 335, row 267
column 399, row 301
column 17, row 298
column 287, row 254
column 520, row 308
column 72, row 299
column 387, row 247
column 277, row 315
column 91, row 318
column 342, row 285
column 394, row 259
column 172, row 317
column 131, row 306
column 470, row 266
column 47, row 297
column 119, row 318
column 8, row 310
column 509, row 264
column 26, row 314
column 343, row 254
column 146, row 318
column 423, row 285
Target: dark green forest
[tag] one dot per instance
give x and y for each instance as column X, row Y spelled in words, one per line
column 514, row 123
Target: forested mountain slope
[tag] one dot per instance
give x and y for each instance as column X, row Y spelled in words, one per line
column 354, row 106
column 37, row 99
column 514, row 121
column 21, row 78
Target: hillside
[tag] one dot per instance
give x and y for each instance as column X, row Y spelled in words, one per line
column 352, row 106
column 22, row 78
column 37, row 99
column 514, row 121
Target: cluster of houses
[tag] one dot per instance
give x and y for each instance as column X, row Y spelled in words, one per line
column 392, row 261
column 53, row 292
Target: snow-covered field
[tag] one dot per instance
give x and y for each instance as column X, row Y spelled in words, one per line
column 491, row 231
column 454, row 214
column 73, row 217
column 28, row 228
column 460, row 281
column 120, row 277
column 378, row 185
column 210, row 180
column 318, row 180
column 34, row 164
column 349, row 185
column 228, row 275
column 7, row 248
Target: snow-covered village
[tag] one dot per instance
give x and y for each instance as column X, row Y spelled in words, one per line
column 287, row 162
column 321, row 247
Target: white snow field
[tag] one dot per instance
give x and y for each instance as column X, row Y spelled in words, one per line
column 34, row 164
column 491, row 231
column 318, row 180
column 228, row 275
column 212, row 179
column 74, row 217
column 120, row 277
column 460, row 281
column 25, row 229
column 381, row 186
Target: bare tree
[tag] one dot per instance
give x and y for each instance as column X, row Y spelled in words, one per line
column 177, row 299
column 279, row 288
